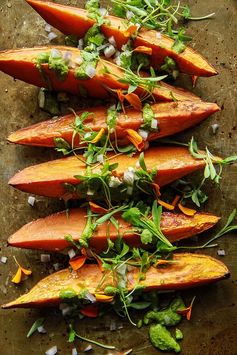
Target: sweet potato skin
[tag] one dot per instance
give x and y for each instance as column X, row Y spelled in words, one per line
column 47, row 179
column 20, row 63
column 186, row 270
column 172, row 117
column 49, row 233
column 72, row 20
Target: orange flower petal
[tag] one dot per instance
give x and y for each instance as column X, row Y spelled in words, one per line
column 186, row 210
column 97, row 209
column 143, row 49
column 134, row 100
column 156, row 187
column 175, row 200
column 77, row 262
column 91, row 311
column 135, row 139
column 165, row 205
column 194, row 79
column 121, row 96
column 99, row 262
column 18, row 276
column 130, row 31
column 98, row 136
column 187, row 311
column 103, row 298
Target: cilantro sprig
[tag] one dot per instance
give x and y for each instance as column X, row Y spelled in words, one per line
column 162, row 15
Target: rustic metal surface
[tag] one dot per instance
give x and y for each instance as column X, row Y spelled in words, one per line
column 213, row 328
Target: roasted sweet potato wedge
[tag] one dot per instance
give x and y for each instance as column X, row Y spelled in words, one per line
column 172, row 117
column 48, row 179
column 186, row 270
column 49, row 233
column 20, row 63
column 73, row 20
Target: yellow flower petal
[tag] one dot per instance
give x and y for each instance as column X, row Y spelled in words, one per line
column 135, row 139
column 18, row 276
column 103, row 298
column 98, row 136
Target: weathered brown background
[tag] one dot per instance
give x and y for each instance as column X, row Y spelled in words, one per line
column 213, row 328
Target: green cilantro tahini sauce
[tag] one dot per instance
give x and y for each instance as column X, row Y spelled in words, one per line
column 55, row 61
column 162, row 339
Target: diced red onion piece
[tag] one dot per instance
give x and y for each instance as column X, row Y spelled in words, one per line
column 114, row 181
column 45, row 258
column 112, row 325
column 129, row 15
column 71, row 253
column 103, row 11
column 117, row 61
column 221, row 252
column 109, row 51
column 154, row 124
column 66, row 311
column 90, row 192
column 80, row 43
column 48, row 27
column 100, row 158
column 90, row 297
column 55, row 53
column 74, row 351
column 130, row 278
column 52, row 351
column 3, row 259
column 215, row 128
column 103, row 46
column 128, row 177
column 88, row 348
column 56, row 266
column 90, row 71
column 117, row 54
column 52, row 36
column 67, row 56
column 112, row 41
column 158, row 35
column 41, row 330
column 144, row 134
column 31, row 200
column 78, row 60
column 87, row 135
column 121, row 269
column 137, row 164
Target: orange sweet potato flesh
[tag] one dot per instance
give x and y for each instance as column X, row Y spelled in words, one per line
column 46, row 179
column 20, row 64
column 172, row 117
column 187, row 270
column 49, row 233
column 73, row 20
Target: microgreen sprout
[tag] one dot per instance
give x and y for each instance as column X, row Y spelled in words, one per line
column 159, row 15
column 73, row 335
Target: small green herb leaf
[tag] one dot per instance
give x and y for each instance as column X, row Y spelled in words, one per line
column 35, row 326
